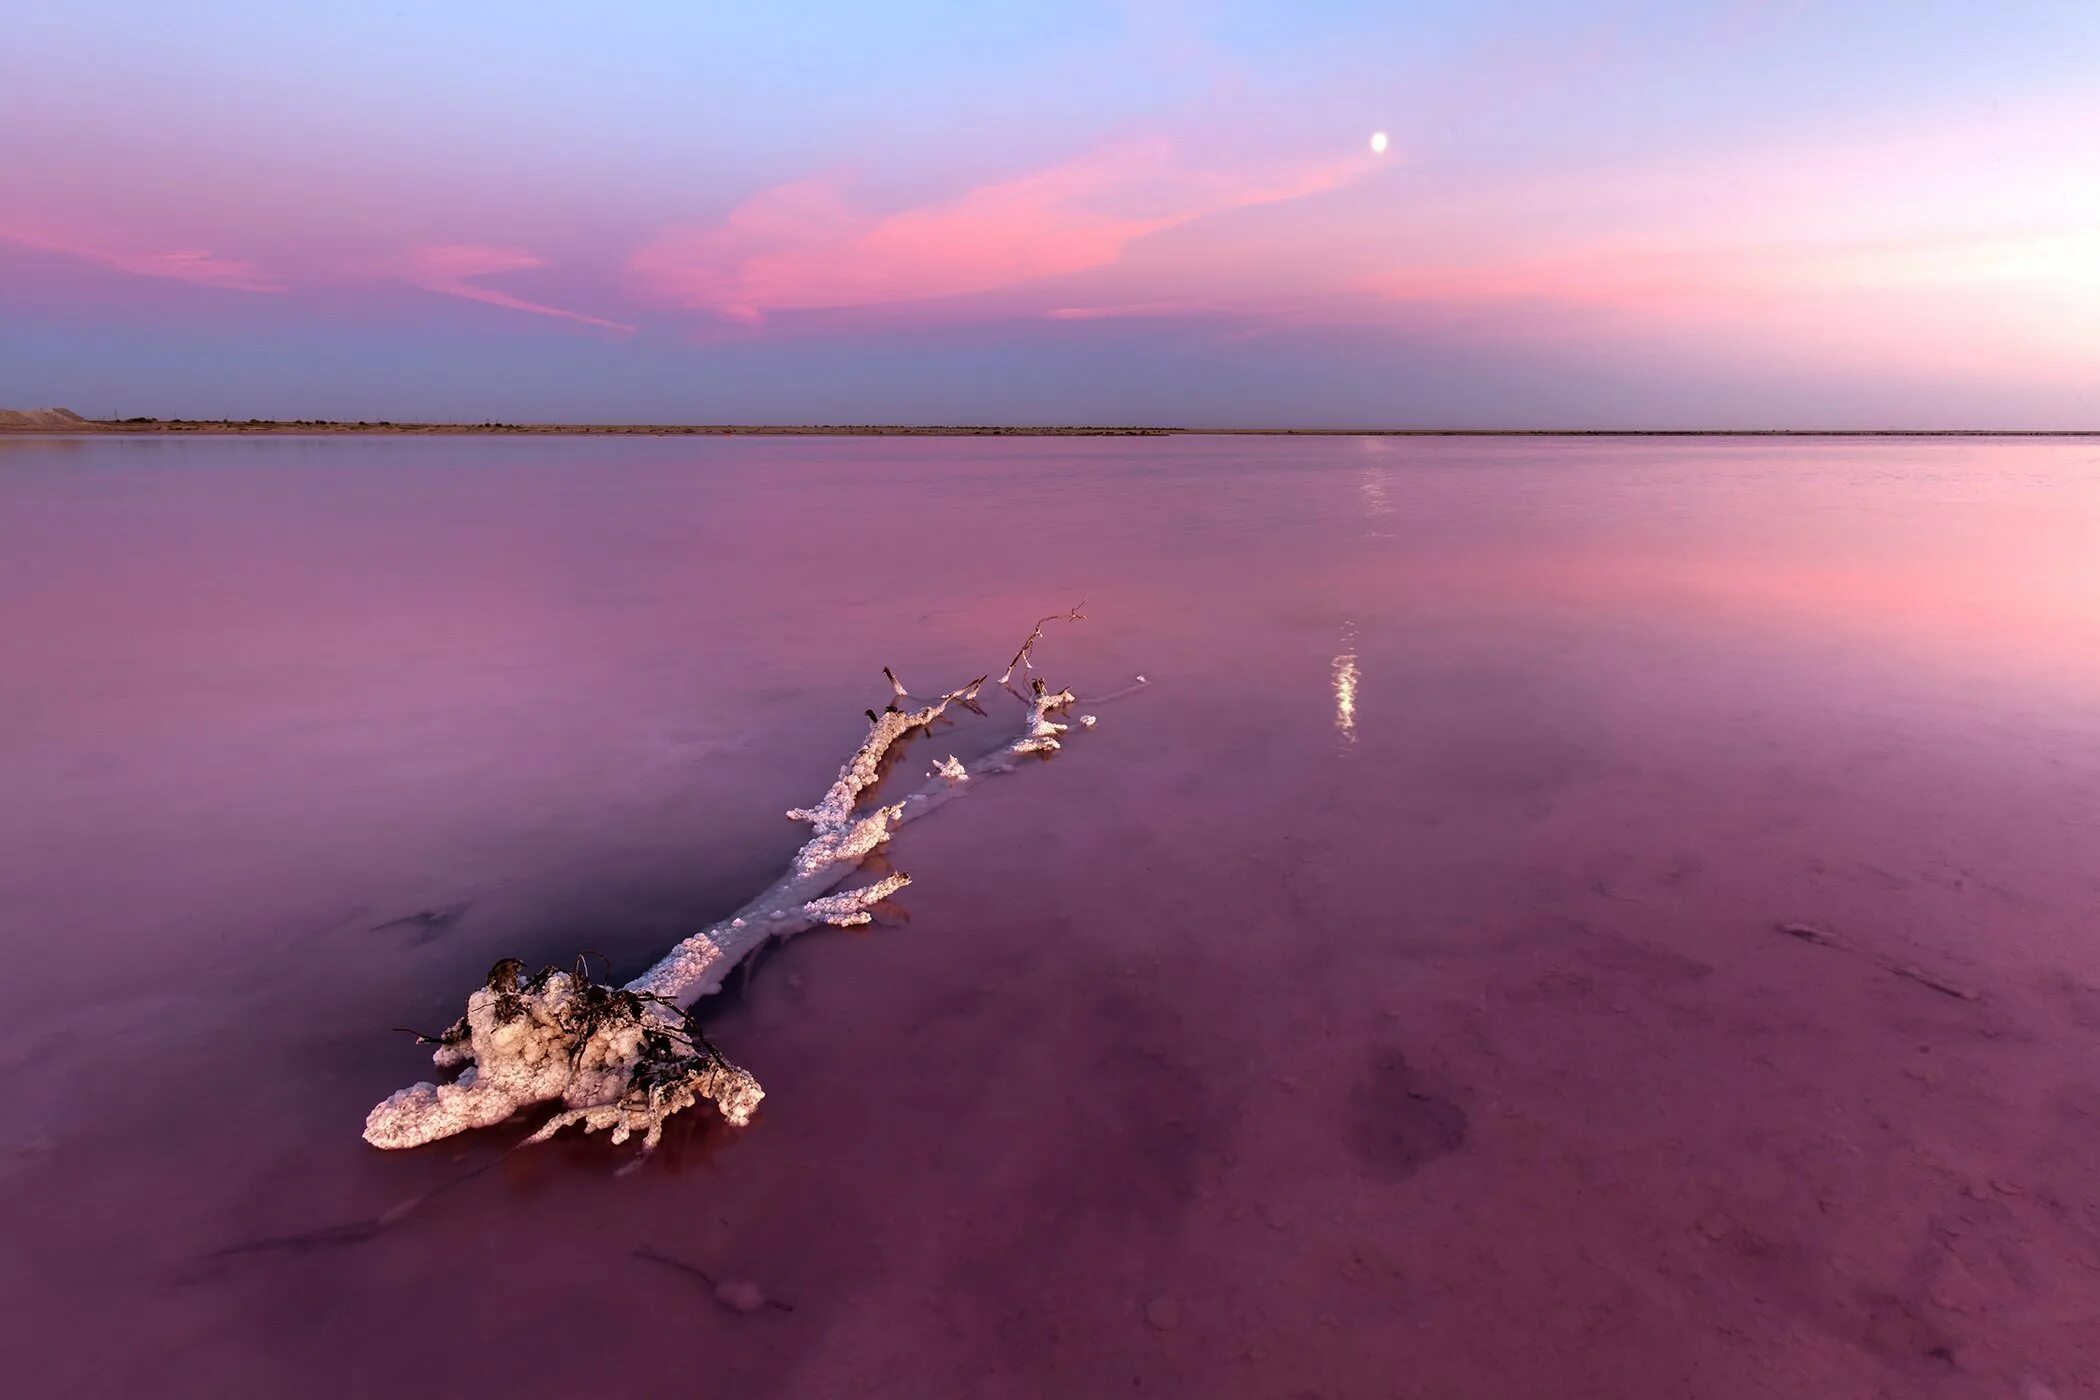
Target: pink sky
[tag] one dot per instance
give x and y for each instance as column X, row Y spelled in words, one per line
column 1927, row 236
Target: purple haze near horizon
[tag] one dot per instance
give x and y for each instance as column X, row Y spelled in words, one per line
column 1387, row 1001
column 1734, row 214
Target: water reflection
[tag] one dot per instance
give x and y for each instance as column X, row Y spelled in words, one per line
column 1371, row 493
column 22, row 449
column 1370, row 488
column 1346, row 677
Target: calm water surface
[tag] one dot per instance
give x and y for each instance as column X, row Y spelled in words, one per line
column 1386, row 1002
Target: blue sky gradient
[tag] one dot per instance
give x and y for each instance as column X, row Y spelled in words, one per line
column 1591, row 215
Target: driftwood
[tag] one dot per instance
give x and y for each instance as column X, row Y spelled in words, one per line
column 626, row 1058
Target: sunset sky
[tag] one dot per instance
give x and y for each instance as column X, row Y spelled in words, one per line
column 1676, row 215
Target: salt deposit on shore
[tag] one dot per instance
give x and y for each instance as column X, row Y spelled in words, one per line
column 43, row 420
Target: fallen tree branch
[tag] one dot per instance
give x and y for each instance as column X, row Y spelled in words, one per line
column 626, row 1058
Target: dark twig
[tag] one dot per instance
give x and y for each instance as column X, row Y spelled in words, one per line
column 1824, row 938
column 328, row 1236
column 1923, row 978
column 353, row 1231
column 695, row 1271
column 644, row 1252
column 427, row 923
column 1035, row 635
column 1133, row 688
column 1809, row 933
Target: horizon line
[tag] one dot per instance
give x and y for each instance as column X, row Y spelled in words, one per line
column 235, row 426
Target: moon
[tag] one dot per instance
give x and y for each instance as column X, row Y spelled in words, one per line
column 1378, row 143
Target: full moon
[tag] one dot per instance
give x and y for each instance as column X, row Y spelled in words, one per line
column 1378, row 143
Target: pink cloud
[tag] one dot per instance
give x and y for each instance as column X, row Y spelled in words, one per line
column 197, row 266
column 803, row 246
column 1128, row 309
column 450, row 269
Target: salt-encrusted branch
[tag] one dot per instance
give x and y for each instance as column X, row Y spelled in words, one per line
column 1021, row 657
column 846, row 910
column 626, row 1059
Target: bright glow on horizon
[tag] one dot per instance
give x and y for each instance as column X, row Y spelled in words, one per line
column 1379, row 141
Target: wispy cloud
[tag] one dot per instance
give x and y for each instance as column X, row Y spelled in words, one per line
column 804, row 246
column 1130, row 310
column 197, row 266
column 450, row 269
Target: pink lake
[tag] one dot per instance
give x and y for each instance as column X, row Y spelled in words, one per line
column 1389, row 1000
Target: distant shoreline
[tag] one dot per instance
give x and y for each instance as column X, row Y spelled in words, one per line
column 235, row 427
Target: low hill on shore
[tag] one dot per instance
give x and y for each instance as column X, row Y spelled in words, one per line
column 43, row 420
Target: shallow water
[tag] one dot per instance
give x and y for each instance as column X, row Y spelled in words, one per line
column 1386, row 1001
